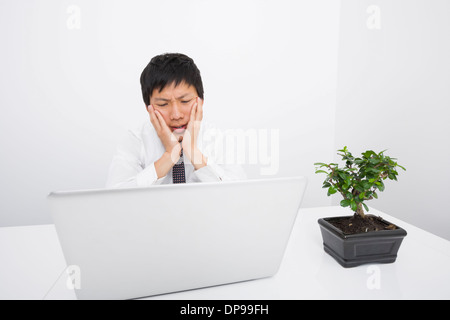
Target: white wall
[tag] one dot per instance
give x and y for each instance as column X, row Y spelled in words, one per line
column 394, row 93
column 70, row 84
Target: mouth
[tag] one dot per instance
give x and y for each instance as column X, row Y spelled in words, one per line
column 179, row 129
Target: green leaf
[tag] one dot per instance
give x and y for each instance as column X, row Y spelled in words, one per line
column 342, row 175
column 326, row 185
column 320, row 164
column 331, row 190
column 366, row 185
column 359, row 188
column 366, row 207
column 368, row 153
column 321, row 171
column 345, row 203
column 353, row 205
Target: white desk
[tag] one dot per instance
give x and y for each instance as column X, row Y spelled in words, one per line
column 32, row 267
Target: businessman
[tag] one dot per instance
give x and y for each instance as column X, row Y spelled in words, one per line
column 167, row 148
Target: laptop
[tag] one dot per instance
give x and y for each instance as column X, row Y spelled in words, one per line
column 139, row 242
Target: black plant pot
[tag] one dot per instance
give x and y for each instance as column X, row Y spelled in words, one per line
column 352, row 250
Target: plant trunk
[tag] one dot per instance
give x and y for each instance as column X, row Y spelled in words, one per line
column 360, row 210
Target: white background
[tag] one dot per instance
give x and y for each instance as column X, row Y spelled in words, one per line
column 68, row 94
column 394, row 93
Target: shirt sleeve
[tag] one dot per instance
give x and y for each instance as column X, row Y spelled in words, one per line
column 214, row 172
column 128, row 169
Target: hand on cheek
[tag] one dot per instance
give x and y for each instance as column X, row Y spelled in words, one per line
column 189, row 143
column 168, row 139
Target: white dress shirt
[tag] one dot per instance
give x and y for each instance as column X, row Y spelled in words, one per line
column 133, row 164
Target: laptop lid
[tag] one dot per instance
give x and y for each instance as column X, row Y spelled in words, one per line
column 132, row 243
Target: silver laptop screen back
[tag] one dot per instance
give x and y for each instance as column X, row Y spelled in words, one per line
column 133, row 243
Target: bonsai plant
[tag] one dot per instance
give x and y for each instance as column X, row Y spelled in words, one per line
column 361, row 238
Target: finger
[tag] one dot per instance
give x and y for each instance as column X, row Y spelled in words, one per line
column 192, row 117
column 153, row 118
column 175, row 153
column 165, row 128
column 199, row 115
column 193, row 112
column 162, row 122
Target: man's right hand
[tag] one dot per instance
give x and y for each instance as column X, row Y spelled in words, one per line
column 168, row 139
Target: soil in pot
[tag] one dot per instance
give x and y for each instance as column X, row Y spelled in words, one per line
column 356, row 224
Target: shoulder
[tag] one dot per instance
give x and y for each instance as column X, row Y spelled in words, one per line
column 141, row 131
column 135, row 137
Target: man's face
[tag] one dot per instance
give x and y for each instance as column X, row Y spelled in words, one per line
column 175, row 104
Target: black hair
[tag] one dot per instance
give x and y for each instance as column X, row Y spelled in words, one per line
column 169, row 68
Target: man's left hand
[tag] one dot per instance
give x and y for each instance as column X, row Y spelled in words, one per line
column 189, row 143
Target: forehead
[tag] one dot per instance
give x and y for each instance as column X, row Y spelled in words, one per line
column 171, row 91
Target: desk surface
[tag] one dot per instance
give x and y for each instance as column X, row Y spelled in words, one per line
column 33, row 267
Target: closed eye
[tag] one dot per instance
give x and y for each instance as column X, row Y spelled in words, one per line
column 187, row 101
column 165, row 104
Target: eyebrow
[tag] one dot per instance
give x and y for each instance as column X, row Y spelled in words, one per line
column 179, row 98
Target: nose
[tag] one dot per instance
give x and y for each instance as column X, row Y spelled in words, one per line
column 176, row 113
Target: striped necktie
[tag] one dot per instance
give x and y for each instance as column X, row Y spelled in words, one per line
column 178, row 173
